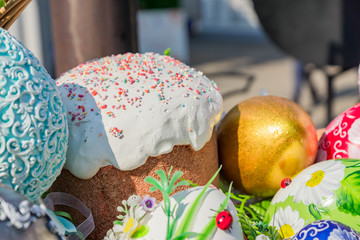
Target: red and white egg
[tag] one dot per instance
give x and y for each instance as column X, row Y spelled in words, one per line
column 341, row 138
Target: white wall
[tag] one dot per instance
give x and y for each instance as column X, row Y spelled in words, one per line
column 234, row 16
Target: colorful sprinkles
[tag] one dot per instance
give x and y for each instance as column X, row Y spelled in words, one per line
column 116, row 132
column 120, row 82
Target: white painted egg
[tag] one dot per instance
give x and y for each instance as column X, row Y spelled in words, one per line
column 208, row 210
column 209, row 220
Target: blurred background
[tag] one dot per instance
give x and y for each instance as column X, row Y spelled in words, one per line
column 307, row 50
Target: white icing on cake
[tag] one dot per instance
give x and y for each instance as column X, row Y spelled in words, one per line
column 124, row 108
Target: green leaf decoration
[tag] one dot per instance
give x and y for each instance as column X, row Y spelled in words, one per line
column 163, row 178
column 2, row 3
column 154, row 182
column 45, row 193
column 253, row 229
column 265, row 203
column 191, row 184
column 175, row 177
column 261, row 226
column 242, row 199
column 348, row 196
column 153, row 189
column 166, row 186
column 182, row 183
column 188, row 218
column 187, row 235
column 248, row 227
column 167, row 52
column 273, row 233
column 314, row 211
column 140, row 232
column 259, row 209
column 64, row 215
column 118, row 222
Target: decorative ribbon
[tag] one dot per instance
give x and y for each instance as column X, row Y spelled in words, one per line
column 65, row 199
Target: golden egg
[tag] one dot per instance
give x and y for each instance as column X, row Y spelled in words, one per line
column 263, row 140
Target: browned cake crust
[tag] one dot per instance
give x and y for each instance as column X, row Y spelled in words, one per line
column 105, row 191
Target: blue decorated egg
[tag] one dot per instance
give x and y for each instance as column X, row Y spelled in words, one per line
column 326, row 229
column 33, row 124
column 326, row 190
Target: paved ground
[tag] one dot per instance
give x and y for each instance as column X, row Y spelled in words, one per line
column 244, row 66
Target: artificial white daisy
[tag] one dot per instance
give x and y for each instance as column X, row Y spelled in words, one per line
column 110, row 235
column 287, row 222
column 262, row 237
column 133, row 200
column 130, row 225
column 132, row 214
column 313, row 184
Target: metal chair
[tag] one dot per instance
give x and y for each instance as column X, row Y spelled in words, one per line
column 319, row 33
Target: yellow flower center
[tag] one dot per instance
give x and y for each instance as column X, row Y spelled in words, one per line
column 129, row 224
column 315, row 179
column 286, row 231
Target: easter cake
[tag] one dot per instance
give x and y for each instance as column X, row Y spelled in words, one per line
column 128, row 115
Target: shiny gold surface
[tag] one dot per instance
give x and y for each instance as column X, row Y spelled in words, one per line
column 264, row 140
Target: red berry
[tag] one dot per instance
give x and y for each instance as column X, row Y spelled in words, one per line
column 224, row 220
column 285, row 182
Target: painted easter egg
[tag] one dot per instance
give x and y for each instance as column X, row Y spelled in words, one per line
column 22, row 220
column 341, row 138
column 33, row 124
column 263, row 140
column 325, row 190
column 326, row 230
column 201, row 220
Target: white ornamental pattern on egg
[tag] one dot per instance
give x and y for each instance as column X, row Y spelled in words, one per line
column 33, row 125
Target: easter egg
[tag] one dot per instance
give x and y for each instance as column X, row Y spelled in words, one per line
column 22, row 220
column 210, row 217
column 33, row 124
column 341, row 138
column 325, row 190
column 263, row 140
column 326, row 229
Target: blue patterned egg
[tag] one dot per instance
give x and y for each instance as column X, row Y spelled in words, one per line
column 326, row 229
column 33, row 124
